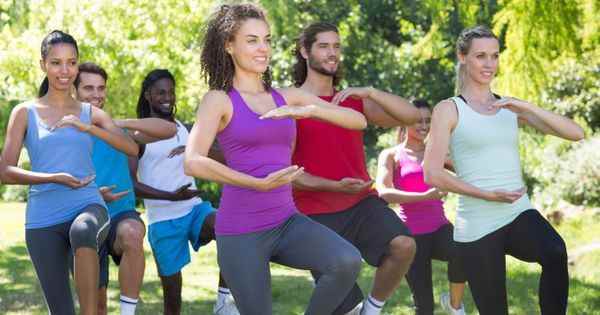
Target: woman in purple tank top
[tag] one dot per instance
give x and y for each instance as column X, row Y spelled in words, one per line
column 257, row 221
column 400, row 180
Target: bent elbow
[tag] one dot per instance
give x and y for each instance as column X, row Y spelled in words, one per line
column 187, row 167
column 133, row 150
column 432, row 177
column 362, row 123
column 579, row 135
column 385, row 196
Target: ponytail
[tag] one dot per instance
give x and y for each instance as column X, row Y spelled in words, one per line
column 43, row 87
column 460, row 77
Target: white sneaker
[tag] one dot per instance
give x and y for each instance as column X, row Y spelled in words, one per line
column 225, row 306
column 356, row 310
column 446, row 306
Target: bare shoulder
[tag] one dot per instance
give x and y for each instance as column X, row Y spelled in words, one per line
column 215, row 99
column 386, row 154
column 445, row 111
column 19, row 112
column 292, row 95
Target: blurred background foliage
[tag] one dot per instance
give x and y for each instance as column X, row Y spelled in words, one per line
column 550, row 56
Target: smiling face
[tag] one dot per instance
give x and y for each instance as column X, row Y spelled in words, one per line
column 161, row 97
column 481, row 61
column 419, row 131
column 325, row 53
column 91, row 89
column 250, row 47
column 60, row 66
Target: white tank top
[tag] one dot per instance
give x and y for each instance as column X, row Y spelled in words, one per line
column 157, row 170
column 485, row 152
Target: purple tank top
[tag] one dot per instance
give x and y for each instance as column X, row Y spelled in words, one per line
column 255, row 147
column 421, row 217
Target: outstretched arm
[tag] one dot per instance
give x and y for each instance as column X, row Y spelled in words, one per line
column 542, row 120
column 312, row 106
column 382, row 108
column 147, row 130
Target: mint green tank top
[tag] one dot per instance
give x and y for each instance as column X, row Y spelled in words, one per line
column 485, row 153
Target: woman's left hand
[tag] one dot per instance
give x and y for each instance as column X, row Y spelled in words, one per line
column 287, row 111
column 515, row 105
column 72, row 120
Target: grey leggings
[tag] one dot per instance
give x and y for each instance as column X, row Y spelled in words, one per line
column 298, row 243
column 50, row 249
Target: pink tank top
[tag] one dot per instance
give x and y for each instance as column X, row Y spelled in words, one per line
column 421, row 217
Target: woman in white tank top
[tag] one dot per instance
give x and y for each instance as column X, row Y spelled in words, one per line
column 494, row 215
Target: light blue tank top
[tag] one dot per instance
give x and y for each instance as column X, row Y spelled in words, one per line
column 112, row 168
column 485, row 153
column 65, row 150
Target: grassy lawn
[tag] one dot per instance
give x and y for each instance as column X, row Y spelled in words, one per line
column 20, row 292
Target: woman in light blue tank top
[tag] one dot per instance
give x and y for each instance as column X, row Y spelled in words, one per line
column 65, row 212
column 253, row 122
column 494, row 215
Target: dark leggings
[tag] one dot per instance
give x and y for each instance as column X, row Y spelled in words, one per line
column 50, row 251
column 529, row 238
column 437, row 245
column 299, row 243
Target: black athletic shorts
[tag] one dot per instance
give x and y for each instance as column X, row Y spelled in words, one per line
column 370, row 225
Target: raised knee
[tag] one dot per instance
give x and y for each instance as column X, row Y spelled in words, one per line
column 403, row 248
column 131, row 237
column 348, row 264
column 556, row 252
column 83, row 234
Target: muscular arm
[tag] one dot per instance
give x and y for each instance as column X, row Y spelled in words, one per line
column 551, row 123
column 147, row 130
column 320, row 109
column 310, row 182
column 388, row 110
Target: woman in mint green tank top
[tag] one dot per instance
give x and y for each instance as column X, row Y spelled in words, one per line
column 494, row 215
column 65, row 212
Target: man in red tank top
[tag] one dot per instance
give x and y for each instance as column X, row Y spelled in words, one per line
column 336, row 189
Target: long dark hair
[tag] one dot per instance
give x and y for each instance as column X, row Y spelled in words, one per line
column 306, row 39
column 216, row 64
column 143, row 107
column 55, row 37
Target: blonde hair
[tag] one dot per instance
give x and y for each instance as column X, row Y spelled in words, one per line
column 463, row 45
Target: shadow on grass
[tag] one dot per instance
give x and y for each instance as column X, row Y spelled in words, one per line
column 20, row 292
column 19, row 288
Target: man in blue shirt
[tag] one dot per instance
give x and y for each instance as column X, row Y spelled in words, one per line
column 125, row 239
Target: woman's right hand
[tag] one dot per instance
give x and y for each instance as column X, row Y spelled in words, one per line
column 71, row 181
column 504, row 195
column 434, row 194
column 279, row 178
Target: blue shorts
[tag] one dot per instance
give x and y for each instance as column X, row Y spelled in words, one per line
column 169, row 239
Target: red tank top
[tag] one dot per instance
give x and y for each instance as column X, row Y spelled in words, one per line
column 331, row 152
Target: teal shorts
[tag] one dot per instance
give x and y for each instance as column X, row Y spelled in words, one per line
column 169, row 239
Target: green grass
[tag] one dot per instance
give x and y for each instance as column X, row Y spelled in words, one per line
column 20, row 292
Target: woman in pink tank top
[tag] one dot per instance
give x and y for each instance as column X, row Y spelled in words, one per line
column 400, row 180
column 257, row 221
